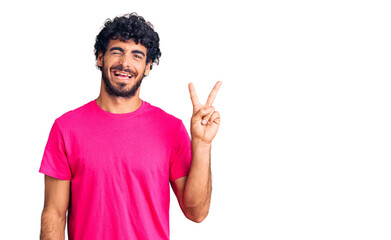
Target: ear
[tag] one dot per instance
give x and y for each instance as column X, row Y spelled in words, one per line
column 99, row 60
column 147, row 68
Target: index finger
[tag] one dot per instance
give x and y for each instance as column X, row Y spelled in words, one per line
column 193, row 95
column 213, row 93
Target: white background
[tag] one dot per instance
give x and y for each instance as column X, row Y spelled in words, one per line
column 303, row 150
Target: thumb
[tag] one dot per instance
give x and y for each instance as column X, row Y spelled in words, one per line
column 204, row 111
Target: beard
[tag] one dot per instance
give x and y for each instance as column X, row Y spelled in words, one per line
column 121, row 90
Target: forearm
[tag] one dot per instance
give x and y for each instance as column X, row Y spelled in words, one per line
column 197, row 193
column 52, row 226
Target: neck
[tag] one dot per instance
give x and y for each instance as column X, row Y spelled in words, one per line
column 118, row 105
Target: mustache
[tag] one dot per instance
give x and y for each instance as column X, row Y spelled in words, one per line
column 121, row 68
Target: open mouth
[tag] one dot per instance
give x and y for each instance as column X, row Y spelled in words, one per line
column 122, row 75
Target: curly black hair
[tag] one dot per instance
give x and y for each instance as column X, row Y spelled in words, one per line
column 129, row 26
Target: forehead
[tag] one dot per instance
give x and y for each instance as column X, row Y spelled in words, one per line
column 127, row 45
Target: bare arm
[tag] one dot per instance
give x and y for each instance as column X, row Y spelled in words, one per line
column 53, row 217
column 194, row 191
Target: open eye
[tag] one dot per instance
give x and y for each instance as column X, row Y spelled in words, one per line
column 137, row 56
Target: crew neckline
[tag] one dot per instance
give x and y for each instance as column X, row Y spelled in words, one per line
column 120, row 115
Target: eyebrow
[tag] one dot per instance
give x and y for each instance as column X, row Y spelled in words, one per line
column 116, row 48
column 121, row 50
column 138, row 51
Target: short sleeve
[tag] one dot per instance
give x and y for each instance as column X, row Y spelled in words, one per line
column 55, row 162
column 181, row 159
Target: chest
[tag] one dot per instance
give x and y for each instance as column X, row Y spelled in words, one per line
column 136, row 149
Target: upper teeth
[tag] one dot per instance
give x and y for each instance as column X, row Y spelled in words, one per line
column 123, row 74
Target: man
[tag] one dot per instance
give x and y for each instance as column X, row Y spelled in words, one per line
column 110, row 162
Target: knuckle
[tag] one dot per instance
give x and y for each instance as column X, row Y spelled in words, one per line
column 210, row 109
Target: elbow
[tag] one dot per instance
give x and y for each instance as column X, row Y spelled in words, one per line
column 196, row 211
column 196, row 217
column 199, row 220
column 196, row 220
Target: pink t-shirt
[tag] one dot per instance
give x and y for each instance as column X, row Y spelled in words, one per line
column 119, row 166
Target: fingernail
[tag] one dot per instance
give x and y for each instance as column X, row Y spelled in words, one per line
column 204, row 121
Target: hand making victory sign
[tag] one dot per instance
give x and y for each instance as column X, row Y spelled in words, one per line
column 205, row 120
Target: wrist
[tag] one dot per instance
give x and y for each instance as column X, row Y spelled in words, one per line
column 196, row 142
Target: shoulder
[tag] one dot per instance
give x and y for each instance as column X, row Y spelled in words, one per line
column 163, row 116
column 171, row 126
column 71, row 117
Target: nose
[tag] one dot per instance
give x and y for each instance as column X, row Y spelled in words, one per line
column 125, row 62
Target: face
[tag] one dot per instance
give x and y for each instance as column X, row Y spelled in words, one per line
column 123, row 67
